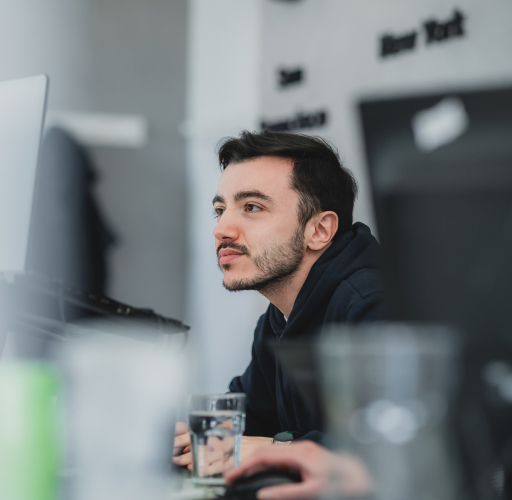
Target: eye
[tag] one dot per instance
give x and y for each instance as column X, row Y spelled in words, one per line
column 252, row 208
column 217, row 212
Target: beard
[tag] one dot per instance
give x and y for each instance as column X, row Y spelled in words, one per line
column 277, row 264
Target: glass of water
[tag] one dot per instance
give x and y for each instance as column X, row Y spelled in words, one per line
column 216, row 424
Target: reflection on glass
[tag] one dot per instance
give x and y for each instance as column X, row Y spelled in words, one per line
column 216, row 422
column 388, row 389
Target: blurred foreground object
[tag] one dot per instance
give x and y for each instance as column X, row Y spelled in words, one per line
column 388, row 390
column 441, row 172
column 121, row 395
column 30, row 440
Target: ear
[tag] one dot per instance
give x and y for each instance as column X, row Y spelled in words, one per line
column 323, row 228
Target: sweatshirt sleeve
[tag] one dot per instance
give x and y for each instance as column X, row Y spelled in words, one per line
column 316, row 436
column 258, row 384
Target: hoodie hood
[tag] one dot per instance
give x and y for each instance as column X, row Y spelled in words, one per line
column 353, row 251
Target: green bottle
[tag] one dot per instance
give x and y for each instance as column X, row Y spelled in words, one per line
column 29, row 432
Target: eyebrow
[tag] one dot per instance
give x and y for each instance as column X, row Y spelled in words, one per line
column 218, row 199
column 241, row 195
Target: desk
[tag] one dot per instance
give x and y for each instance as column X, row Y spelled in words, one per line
column 190, row 492
column 184, row 489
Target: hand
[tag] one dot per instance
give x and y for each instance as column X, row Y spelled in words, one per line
column 322, row 472
column 251, row 443
column 216, row 455
column 182, row 454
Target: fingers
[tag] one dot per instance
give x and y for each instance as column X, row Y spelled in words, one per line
column 298, row 491
column 350, row 476
column 182, row 446
column 214, row 467
column 182, row 460
column 214, row 452
column 181, row 443
column 182, row 439
column 248, row 472
column 276, row 456
column 181, row 428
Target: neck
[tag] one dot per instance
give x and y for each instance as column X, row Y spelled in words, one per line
column 284, row 297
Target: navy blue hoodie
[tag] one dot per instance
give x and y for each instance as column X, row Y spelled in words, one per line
column 343, row 286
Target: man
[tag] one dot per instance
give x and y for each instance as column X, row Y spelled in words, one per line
column 284, row 227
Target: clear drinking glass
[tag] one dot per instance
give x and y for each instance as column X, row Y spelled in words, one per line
column 216, row 424
column 389, row 390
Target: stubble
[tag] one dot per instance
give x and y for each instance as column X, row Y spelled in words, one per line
column 277, row 264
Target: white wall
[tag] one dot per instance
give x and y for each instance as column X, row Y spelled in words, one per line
column 223, row 98
column 51, row 37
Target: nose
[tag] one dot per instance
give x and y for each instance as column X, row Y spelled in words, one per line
column 226, row 228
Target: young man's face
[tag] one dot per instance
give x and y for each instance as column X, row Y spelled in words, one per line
column 258, row 239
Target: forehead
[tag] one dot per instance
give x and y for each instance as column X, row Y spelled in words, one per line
column 267, row 174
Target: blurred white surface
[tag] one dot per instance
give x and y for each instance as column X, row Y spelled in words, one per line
column 102, row 129
column 440, row 124
column 121, row 396
column 223, row 99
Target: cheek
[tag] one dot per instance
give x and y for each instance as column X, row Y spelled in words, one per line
column 275, row 234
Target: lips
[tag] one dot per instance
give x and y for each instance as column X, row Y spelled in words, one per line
column 227, row 255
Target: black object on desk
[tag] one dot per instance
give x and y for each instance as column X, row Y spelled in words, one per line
column 245, row 488
column 41, row 307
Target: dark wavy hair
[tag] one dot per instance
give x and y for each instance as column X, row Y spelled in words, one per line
column 318, row 175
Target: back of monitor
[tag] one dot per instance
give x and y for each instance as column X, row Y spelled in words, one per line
column 22, row 110
column 443, row 198
column 441, row 170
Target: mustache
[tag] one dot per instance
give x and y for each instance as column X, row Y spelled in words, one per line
column 235, row 246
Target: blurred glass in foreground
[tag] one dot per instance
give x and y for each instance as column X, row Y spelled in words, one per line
column 121, row 395
column 388, row 390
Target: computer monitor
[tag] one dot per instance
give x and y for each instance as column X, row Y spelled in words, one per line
column 22, row 111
